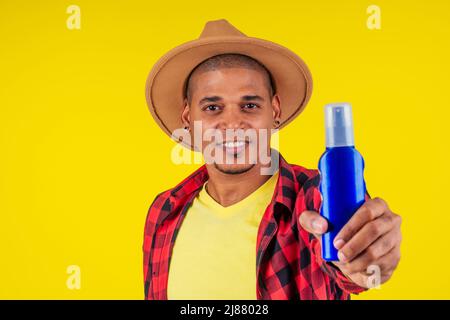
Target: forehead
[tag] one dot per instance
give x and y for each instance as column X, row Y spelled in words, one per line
column 229, row 80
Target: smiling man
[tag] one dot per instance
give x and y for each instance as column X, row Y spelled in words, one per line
column 234, row 229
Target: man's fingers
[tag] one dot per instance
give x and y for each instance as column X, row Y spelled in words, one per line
column 370, row 210
column 313, row 222
column 361, row 267
column 355, row 253
column 365, row 237
column 379, row 254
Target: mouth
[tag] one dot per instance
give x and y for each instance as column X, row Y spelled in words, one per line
column 234, row 147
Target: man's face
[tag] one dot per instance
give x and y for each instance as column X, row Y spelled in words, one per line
column 226, row 100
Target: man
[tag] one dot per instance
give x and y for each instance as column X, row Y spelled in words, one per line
column 230, row 230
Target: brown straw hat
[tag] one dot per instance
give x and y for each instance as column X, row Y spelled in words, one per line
column 166, row 82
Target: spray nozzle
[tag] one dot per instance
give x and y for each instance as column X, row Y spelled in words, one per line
column 339, row 125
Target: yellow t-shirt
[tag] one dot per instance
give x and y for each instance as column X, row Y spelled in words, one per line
column 214, row 255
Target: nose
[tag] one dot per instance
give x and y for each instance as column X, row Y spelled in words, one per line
column 231, row 118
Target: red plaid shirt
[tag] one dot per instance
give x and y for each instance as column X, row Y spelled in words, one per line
column 288, row 259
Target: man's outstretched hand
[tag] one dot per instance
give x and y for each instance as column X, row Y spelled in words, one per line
column 371, row 237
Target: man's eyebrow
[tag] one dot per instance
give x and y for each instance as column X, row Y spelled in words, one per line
column 252, row 98
column 245, row 98
column 210, row 99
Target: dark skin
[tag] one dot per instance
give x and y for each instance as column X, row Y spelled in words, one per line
column 371, row 237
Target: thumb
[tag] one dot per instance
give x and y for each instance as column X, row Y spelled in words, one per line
column 313, row 222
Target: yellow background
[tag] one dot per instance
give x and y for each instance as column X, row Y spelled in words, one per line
column 81, row 159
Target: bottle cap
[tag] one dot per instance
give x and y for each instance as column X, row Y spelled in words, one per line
column 339, row 125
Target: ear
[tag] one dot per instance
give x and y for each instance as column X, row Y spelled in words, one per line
column 276, row 106
column 185, row 114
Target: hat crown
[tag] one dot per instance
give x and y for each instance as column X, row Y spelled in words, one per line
column 220, row 28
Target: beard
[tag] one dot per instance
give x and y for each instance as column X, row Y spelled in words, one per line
column 233, row 169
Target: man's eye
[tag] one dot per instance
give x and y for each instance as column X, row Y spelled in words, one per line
column 250, row 106
column 211, row 107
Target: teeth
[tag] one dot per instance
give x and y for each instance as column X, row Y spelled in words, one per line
column 232, row 144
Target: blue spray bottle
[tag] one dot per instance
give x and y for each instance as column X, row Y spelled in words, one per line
column 341, row 170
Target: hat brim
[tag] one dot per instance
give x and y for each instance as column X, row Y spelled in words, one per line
column 166, row 81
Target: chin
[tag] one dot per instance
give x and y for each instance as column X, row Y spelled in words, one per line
column 233, row 168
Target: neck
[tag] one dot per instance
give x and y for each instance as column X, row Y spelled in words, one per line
column 228, row 189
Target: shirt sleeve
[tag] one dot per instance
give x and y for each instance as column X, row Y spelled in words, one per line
column 314, row 201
